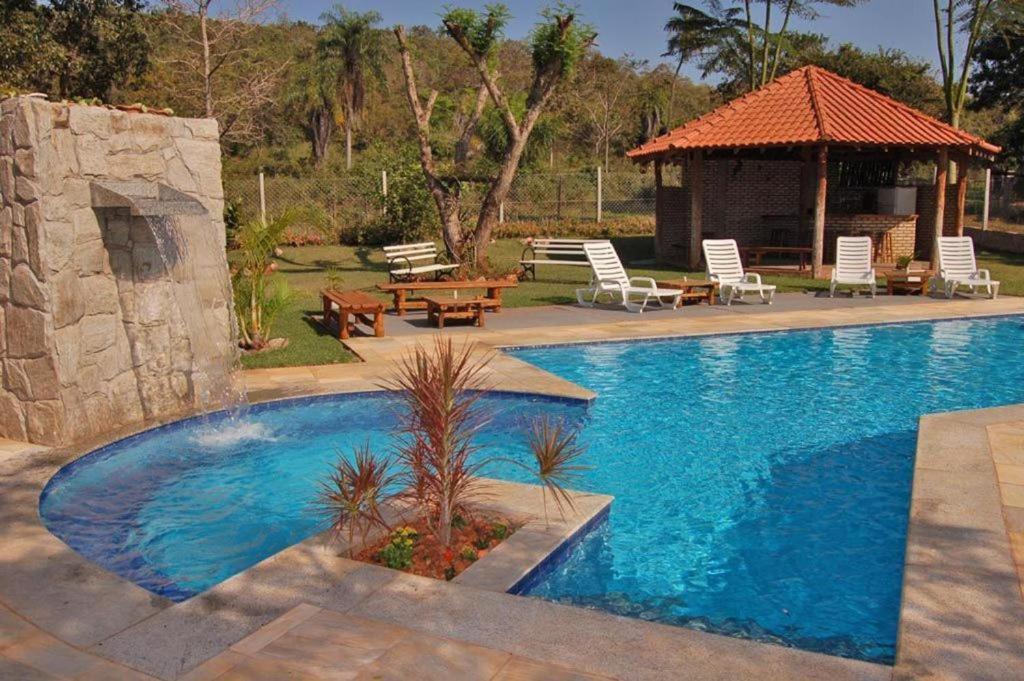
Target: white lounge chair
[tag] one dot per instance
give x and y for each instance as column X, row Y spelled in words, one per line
column 724, row 265
column 853, row 264
column 406, row 261
column 610, row 278
column 957, row 267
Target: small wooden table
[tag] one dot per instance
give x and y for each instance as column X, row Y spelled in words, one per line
column 758, row 252
column 914, row 282
column 443, row 308
column 694, row 290
column 354, row 304
column 401, row 291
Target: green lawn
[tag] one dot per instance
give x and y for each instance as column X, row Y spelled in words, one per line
column 306, row 270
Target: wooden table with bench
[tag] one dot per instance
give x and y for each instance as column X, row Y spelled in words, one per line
column 694, row 290
column 403, row 302
column 442, row 308
column 914, row 282
column 355, row 305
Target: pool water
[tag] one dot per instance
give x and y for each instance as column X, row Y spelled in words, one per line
column 761, row 481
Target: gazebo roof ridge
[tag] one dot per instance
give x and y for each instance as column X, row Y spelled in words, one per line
column 810, row 106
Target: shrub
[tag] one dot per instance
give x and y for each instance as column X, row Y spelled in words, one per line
column 352, row 495
column 468, row 553
column 398, row 552
column 555, row 452
column 499, row 530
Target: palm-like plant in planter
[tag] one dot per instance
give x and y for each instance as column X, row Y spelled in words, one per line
column 354, row 493
column 441, row 393
column 556, row 453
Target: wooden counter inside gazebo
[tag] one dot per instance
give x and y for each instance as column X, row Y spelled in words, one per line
column 760, row 168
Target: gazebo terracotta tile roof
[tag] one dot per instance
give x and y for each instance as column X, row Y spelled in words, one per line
column 812, row 106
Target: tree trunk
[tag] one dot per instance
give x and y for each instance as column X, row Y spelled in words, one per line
column 496, row 195
column 348, row 145
column 207, row 67
column 320, row 135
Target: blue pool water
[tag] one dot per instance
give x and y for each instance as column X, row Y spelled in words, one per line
column 761, row 481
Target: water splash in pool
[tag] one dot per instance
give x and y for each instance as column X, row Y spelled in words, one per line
column 232, row 432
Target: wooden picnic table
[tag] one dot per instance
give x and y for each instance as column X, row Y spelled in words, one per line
column 402, row 301
column 443, row 308
column 913, row 282
column 693, row 289
column 355, row 305
column 758, row 252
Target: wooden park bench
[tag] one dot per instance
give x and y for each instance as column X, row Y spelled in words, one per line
column 553, row 252
column 408, row 261
column 401, row 291
column 355, row 305
column 442, row 308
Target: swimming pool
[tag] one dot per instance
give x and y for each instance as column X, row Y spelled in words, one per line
column 761, row 481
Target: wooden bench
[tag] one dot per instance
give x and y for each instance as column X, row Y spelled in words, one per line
column 553, row 252
column 407, row 261
column 755, row 253
column 443, row 308
column 354, row 304
column 402, row 301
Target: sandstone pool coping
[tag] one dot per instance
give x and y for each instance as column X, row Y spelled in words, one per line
column 78, row 609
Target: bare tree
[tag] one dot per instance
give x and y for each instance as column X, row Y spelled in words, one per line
column 558, row 44
column 602, row 97
column 213, row 42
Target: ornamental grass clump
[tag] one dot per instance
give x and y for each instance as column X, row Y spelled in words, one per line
column 556, row 454
column 441, row 391
column 354, row 493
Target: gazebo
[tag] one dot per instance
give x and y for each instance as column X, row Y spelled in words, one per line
column 808, row 157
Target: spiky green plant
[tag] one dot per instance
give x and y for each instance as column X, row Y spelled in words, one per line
column 353, row 494
column 556, row 453
column 440, row 389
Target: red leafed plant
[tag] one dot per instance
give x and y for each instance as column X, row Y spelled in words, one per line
column 441, row 391
column 556, row 453
column 353, row 493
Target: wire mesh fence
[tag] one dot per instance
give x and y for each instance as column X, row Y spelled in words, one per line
column 347, row 201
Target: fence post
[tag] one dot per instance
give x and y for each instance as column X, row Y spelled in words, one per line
column 988, row 193
column 599, row 193
column 501, row 213
column 384, row 191
column 263, row 200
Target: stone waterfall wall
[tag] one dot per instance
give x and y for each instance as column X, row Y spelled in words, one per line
column 91, row 336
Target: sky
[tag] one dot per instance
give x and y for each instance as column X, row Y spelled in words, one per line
column 636, row 27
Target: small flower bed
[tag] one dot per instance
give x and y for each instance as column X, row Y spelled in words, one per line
column 413, row 548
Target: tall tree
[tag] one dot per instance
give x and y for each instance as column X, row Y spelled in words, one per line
column 558, row 43
column 603, row 89
column 973, row 19
column 72, row 48
column 212, row 43
column 352, row 41
column 997, row 83
column 311, row 97
column 724, row 34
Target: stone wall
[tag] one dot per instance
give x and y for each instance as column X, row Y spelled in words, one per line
column 93, row 333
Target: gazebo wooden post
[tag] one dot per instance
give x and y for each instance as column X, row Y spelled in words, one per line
column 818, row 244
column 941, row 177
column 696, row 208
column 961, row 199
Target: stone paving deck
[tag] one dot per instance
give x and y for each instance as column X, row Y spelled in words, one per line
column 62, row 617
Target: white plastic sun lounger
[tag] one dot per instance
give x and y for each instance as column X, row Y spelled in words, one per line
column 725, row 266
column 853, row 264
column 957, row 267
column 610, row 279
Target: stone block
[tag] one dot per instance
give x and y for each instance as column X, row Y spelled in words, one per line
column 12, row 418
column 149, row 165
column 19, row 244
column 69, row 353
column 57, row 245
column 33, row 234
column 63, row 157
column 86, row 225
column 25, row 162
column 98, row 332
column 43, row 421
column 116, row 230
column 23, row 125
column 89, row 120
column 6, row 225
column 5, row 282
column 7, row 187
column 41, row 376
column 203, row 128
column 26, row 333
column 68, row 299
column 91, row 257
column 26, row 289
column 7, row 135
column 100, row 294
column 15, row 379
column 25, row 190
column 92, row 156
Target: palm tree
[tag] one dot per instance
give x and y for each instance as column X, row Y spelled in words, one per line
column 311, row 98
column 352, row 42
column 693, row 32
